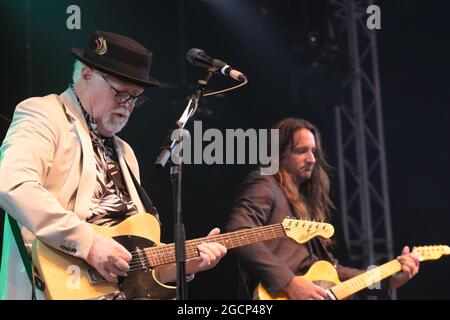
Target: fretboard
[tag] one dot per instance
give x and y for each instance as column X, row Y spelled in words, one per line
column 366, row 279
column 165, row 254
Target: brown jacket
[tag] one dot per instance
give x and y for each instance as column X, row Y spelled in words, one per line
column 275, row 262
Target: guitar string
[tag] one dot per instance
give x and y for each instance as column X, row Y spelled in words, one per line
column 165, row 256
column 143, row 263
column 252, row 235
column 361, row 281
column 166, row 252
column 213, row 238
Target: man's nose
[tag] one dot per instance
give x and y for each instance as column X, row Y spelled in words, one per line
column 129, row 105
column 312, row 158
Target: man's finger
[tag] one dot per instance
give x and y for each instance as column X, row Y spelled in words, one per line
column 108, row 276
column 213, row 248
column 206, row 260
column 123, row 253
column 317, row 296
column 214, row 232
column 111, row 267
column 122, row 265
column 321, row 291
column 416, row 259
column 409, row 268
column 208, row 251
column 405, row 250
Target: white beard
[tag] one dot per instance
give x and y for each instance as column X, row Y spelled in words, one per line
column 112, row 127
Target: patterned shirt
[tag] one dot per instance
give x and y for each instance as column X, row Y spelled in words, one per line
column 111, row 203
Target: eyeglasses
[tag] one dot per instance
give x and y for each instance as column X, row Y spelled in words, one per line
column 122, row 97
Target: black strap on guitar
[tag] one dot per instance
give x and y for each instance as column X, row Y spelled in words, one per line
column 26, row 259
column 147, row 203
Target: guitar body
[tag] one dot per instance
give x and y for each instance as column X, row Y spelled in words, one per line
column 321, row 273
column 66, row 277
column 324, row 274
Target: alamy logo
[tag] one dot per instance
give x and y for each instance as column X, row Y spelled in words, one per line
column 73, row 280
column 374, row 20
column 373, row 277
column 235, row 147
column 74, row 20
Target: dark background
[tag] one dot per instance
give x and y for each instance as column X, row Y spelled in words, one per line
column 268, row 41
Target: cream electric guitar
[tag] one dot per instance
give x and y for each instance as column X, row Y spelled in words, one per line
column 324, row 274
column 66, row 277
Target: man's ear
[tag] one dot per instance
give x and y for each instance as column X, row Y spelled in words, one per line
column 86, row 73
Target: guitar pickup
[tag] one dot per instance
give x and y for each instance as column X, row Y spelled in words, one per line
column 93, row 275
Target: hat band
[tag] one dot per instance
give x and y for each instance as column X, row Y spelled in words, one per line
column 116, row 66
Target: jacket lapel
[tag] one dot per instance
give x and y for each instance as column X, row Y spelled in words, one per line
column 88, row 171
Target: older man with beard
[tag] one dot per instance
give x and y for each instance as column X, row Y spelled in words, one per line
column 63, row 168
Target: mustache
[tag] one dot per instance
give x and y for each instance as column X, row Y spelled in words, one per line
column 122, row 112
column 307, row 167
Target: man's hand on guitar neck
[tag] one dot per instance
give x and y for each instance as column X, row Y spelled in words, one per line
column 210, row 255
column 109, row 257
column 302, row 289
column 410, row 267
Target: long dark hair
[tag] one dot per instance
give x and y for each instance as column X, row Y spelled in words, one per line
column 311, row 199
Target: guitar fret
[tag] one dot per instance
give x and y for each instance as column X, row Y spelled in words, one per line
column 165, row 254
column 365, row 280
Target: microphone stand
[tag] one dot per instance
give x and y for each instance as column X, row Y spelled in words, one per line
column 176, row 176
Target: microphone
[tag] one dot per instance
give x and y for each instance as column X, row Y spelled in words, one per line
column 199, row 58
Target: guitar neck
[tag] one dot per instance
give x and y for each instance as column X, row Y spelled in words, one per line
column 165, row 254
column 366, row 279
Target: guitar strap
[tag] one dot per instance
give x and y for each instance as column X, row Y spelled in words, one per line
column 319, row 248
column 26, row 259
column 147, row 203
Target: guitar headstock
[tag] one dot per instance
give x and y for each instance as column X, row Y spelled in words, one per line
column 431, row 252
column 303, row 230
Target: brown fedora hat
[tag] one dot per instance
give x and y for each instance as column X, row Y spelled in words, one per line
column 119, row 56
